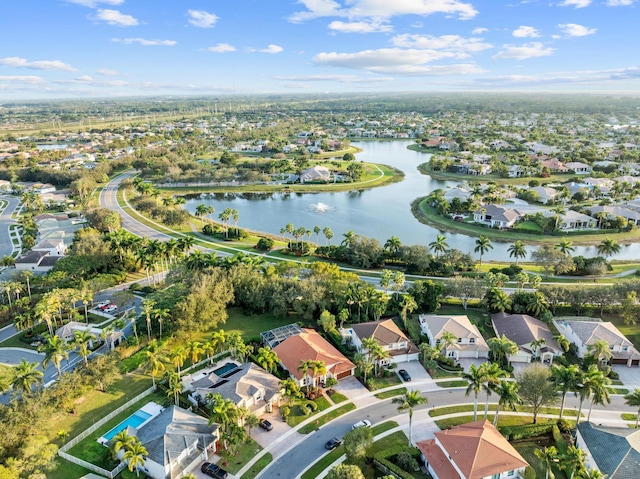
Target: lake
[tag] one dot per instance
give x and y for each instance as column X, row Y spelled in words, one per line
column 377, row 213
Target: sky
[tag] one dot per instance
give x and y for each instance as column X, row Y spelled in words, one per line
column 116, row 48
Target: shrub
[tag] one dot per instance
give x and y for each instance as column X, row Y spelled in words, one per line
column 527, row 431
column 285, row 411
column 529, row 473
column 407, row 462
column 264, row 244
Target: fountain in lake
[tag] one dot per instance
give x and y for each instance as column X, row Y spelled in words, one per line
column 321, row 207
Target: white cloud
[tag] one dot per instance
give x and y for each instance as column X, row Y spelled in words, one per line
column 29, row 79
column 202, row 19
column 523, row 52
column 576, row 3
column 114, row 17
column 222, row 48
column 144, row 42
column 382, row 9
column 562, row 78
column 396, row 61
column 451, row 43
column 359, row 27
column 525, row 32
column 479, row 31
column 95, row 3
column 272, row 49
column 575, row 30
column 17, row 62
column 619, row 3
column 106, row 72
column 335, row 78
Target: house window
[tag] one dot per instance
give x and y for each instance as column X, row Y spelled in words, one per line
column 495, row 476
column 459, row 340
column 611, row 348
column 472, row 340
column 625, row 348
column 511, row 473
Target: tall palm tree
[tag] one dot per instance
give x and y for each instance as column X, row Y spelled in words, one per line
column 563, row 342
column 83, row 339
column 502, row 348
column 517, row 250
column 148, row 306
column 492, row 375
column 267, row 358
column 364, row 365
column 219, row 338
column 290, row 390
column 120, row 441
column 194, row 351
column 55, row 349
column 587, row 380
column 483, row 244
column 566, row 379
column 174, row 386
column 408, row 305
column 573, row 460
column 633, row 399
column 600, row 391
column 24, row 376
column 154, row 360
column 392, row 246
column 135, row 456
column 408, row 401
column 447, row 339
column 507, row 392
column 177, row 357
column 599, row 349
column 439, row 246
column 549, row 456
column 565, row 246
column 608, row 247
column 476, row 379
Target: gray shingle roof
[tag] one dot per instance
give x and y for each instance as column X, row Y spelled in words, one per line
column 614, row 449
column 522, row 329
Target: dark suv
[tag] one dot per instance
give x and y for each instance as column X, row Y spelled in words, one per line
column 266, row 425
column 214, row 471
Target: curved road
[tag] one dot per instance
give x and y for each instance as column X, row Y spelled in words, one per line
column 6, row 244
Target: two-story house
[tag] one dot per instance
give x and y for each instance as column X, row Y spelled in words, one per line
column 388, row 335
column 469, row 343
column 532, row 336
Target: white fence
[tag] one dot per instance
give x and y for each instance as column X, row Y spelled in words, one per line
column 92, row 467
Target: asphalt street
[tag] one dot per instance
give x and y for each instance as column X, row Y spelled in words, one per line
column 6, row 245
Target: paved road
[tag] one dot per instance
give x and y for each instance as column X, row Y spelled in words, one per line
column 6, row 245
column 292, row 462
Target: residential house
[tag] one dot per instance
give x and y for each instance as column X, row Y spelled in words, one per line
column 310, row 346
column 572, row 220
column 497, row 216
column 176, row 440
column 613, row 211
column 315, row 173
column 401, row 349
column 585, row 333
column 524, row 330
column 516, row 171
column 457, row 192
column 36, row 261
column 554, row 165
column 546, row 195
column 248, row 386
column 472, row 451
column 614, row 451
column 579, row 168
column 470, row 343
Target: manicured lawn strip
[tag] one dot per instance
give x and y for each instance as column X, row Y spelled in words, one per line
column 382, row 427
column 452, row 384
column 337, row 398
column 66, row 470
column 619, row 390
column 440, row 373
column 323, row 463
column 627, row 416
column 381, row 383
column 14, row 342
column 502, row 421
column 443, row 411
column 244, row 454
column 297, row 416
column 397, row 438
column 89, row 449
column 391, row 393
column 328, row 417
column 259, row 465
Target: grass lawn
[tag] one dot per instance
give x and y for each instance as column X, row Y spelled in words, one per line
column 323, row 464
column 502, row 421
column 64, row 469
column 527, row 450
column 244, row 453
column 296, row 416
column 337, row 398
column 380, row 383
column 627, row 416
column 631, row 331
column 443, row 411
column 391, row 393
column 260, row 464
column 439, row 373
column 328, row 417
column 452, row 384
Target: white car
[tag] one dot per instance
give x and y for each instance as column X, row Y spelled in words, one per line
column 110, row 309
column 363, row 423
column 102, row 304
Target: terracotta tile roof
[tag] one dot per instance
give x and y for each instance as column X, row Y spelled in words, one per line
column 479, row 450
column 437, row 460
column 309, row 345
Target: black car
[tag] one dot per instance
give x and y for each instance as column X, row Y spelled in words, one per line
column 214, row 471
column 404, row 375
column 266, row 425
column 332, row 443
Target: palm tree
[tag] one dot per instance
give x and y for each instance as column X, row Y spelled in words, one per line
column 565, row 246
column 290, row 390
column 439, row 246
column 600, row 392
column 548, row 455
column 174, row 386
column 573, row 460
column 194, row 350
column 588, row 473
column 408, row 304
column 201, row 211
column 219, row 338
column 177, row 357
column 120, row 441
column 304, row 366
column 154, row 360
column 348, row 236
column 563, row 342
column 508, row 397
column 483, row 244
column 408, row 401
column 55, row 349
column 608, row 247
column 328, row 234
column 517, row 250
column 599, row 349
column 160, row 314
column 492, row 375
column 502, row 348
column 633, row 399
column 135, row 455
column 587, row 380
column 267, row 358
column 148, row 306
column 392, row 246
column 476, row 379
column 83, row 339
column 447, row 339
column 566, row 379
column 364, row 365
column 25, row 376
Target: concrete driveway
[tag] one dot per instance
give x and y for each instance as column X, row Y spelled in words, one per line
column 266, row 438
column 630, row 377
column 467, row 362
column 415, row 370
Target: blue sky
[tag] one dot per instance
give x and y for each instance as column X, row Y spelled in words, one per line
column 98, row 48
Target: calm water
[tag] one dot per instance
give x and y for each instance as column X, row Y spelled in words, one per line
column 377, row 213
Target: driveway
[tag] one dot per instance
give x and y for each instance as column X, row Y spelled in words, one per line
column 415, row 370
column 630, row 377
column 266, row 438
column 467, row 362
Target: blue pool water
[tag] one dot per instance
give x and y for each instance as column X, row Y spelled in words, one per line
column 225, row 369
column 134, row 420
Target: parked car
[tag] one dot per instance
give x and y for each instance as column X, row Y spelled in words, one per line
column 102, row 304
column 404, row 375
column 110, row 308
column 266, row 425
column 333, row 443
column 214, row 471
column 363, row 423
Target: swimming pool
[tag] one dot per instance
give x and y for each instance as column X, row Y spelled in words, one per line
column 137, row 419
column 225, row 369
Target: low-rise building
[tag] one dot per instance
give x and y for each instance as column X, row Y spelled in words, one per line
column 389, row 336
column 469, row 344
